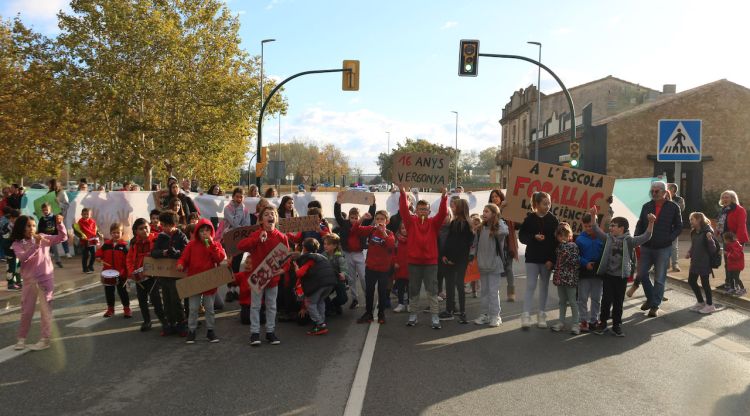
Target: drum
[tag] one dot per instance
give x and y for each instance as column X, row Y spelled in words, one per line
column 93, row 241
column 109, row 277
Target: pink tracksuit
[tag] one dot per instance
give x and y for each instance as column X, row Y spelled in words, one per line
column 36, row 269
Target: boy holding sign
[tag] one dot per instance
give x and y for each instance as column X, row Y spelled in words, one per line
column 353, row 244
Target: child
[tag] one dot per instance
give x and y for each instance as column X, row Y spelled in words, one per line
column 589, row 284
column 260, row 244
column 538, row 233
column 566, row 277
column 241, row 280
column 146, row 287
column 175, row 205
column 194, row 218
column 378, row 264
column 87, row 232
column 701, row 249
column 286, row 208
column 735, row 264
column 315, row 280
column 169, row 244
column 456, row 259
column 332, row 249
column 615, row 267
column 13, row 275
column 352, row 245
column 201, row 254
column 32, row 251
column 401, row 265
column 488, row 250
column 423, row 256
column 47, row 226
column 113, row 254
column 155, row 225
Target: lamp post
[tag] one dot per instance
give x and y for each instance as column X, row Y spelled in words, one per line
column 278, row 157
column 456, row 178
column 538, row 101
column 262, row 43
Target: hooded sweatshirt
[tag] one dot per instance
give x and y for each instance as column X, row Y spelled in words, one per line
column 201, row 255
column 701, row 250
column 735, row 256
column 617, row 255
column 34, row 257
column 259, row 249
column 539, row 251
column 488, row 249
column 422, row 232
column 380, row 246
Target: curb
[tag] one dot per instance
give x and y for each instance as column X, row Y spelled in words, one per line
column 60, row 288
column 740, row 303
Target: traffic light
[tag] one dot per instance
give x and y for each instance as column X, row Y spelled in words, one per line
column 262, row 162
column 350, row 79
column 468, row 55
column 575, row 154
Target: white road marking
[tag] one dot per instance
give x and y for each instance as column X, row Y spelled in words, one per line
column 8, row 353
column 359, row 386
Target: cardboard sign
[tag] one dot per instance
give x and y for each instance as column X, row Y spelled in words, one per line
column 299, row 224
column 357, row 197
column 161, row 268
column 202, row 282
column 421, row 170
column 573, row 191
column 265, row 271
column 234, row 236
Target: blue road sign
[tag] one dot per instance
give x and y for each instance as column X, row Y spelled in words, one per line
column 679, row 141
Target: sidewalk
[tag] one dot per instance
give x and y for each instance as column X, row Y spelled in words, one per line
column 681, row 277
column 68, row 278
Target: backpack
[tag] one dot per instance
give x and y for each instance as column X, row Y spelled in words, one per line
column 715, row 257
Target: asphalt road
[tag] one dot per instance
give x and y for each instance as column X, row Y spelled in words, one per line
column 681, row 363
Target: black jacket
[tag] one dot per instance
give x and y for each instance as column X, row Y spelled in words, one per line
column 539, row 251
column 318, row 276
column 458, row 244
column 345, row 226
column 668, row 224
column 174, row 244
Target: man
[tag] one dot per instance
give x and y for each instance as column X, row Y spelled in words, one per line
column 680, row 201
column 656, row 251
column 15, row 196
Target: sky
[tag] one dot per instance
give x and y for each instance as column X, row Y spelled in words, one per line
column 408, row 52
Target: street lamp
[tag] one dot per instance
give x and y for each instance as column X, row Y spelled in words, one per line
column 456, row 113
column 278, row 157
column 262, row 43
column 538, row 101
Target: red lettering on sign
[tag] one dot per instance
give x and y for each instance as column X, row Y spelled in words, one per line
column 520, row 182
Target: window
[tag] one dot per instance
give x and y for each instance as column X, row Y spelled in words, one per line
column 524, row 128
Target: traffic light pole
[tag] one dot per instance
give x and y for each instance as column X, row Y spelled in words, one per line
column 268, row 100
column 559, row 81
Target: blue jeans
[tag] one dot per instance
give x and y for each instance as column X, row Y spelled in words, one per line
column 659, row 258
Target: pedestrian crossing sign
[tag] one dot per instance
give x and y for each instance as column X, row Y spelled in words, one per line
column 679, row 141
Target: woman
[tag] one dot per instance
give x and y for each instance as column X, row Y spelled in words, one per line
column 271, row 193
column 511, row 243
column 252, row 191
column 732, row 217
column 64, row 203
column 215, row 190
column 286, row 208
column 188, row 206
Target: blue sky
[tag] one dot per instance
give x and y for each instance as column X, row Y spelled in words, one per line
column 409, row 58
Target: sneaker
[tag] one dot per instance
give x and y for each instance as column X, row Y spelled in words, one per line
column 190, row 337
column 366, row 318
column 654, row 312
column 436, row 322
column 731, row 291
column 541, row 320
column 255, row 340
column 20, row 344
column 167, row 330
column 381, row 318
column 583, row 327
column 59, row 264
column 525, row 320
column 182, row 329
column 483, row 319
column 676, row 268
column 145, row 326
column 127, row 313
column 109, row 313
column 557, row 327
column 631, row 291
column 13, row 286
column 354, row 304
column 272, row 339
column 645, row 306
column 601, row 329
column 495, row 321
column 69, row 255
column 211, row 335
column 43, row 344
column 707, row 310
column 399, row 308
column 412, row 320
column 575, row 329
column 440, row 299
column 462, row 318
column 617, row 331
column 740, row 292
column 89, row 271
column 445, row 316
column 698, row 306
column 442, row 295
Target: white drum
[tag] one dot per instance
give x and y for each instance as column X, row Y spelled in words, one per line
column 109, row 277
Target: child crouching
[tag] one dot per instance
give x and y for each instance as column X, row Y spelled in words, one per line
column 315, row 280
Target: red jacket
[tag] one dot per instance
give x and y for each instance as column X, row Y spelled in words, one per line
column 139, row 249
column 200, row 255
column 114, row 256
column 423, row 233
column 735, row 256
column 88, row 228
column 379, row 248
column 737, row 223
column 301, row 272
column 402, row 259
column 242, row 280
column 259, row 250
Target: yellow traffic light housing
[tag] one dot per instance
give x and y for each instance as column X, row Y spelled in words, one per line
column 350, row 78
column 468, row 54
column 260, row 166
column 575, row 154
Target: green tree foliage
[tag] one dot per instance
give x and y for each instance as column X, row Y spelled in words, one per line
column 306, row 159
column 385, row 160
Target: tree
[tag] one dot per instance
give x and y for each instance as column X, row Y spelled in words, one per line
column 468, row 161
column 487, row 158
column 304, row 158
column 385, row 160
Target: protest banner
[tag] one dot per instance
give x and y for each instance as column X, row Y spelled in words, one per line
column 573, row 191
column 267, row 269
column 299, row 224
column 204, row 281
column 50, row 199
column 421, row 170
column 234, row 236
column 356, row 197
column 161, row 268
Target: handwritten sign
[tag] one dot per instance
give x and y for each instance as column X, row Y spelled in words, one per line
column 234, row 236
column 357, row 197
column 299, row 224
column 573, row 191
column 421, row 170
column 204, row 281
column 161, row 268
column 267, row 269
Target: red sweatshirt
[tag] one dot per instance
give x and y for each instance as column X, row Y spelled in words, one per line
column 114, row 256
column 139, row 249
column 423, row 233
column 379, row 248
column 242, row 280
column 88, row 228
column 735, row 256
column 199, row 256
column 259, row 250
column 402, row 259
column 301, row 272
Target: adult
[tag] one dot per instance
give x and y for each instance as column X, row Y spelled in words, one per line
column 215, row 190
column 188, row 206
column 63, row 202
column 185, row 186
column 15, row 196
column 252, row 191
column 236, row 215
column 510, row 251
column 271, row 193
column 83, row 187
column 657, row 250
column 732, row 217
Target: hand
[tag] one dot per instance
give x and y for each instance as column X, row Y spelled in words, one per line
column 548, row 265
column 338, row 196
column 263, row 236
column 445, row 260
column 504, row 204
column 539, row 237
column 594, row 211
column 342, row 278
column 58, row 219
column 180, row 267
column 590, row 266
column 651, row 218
column 302, row 311
column 396, row 266
column 37, row 238
column 709, row 235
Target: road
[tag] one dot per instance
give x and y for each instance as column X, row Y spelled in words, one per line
column 681, row 363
